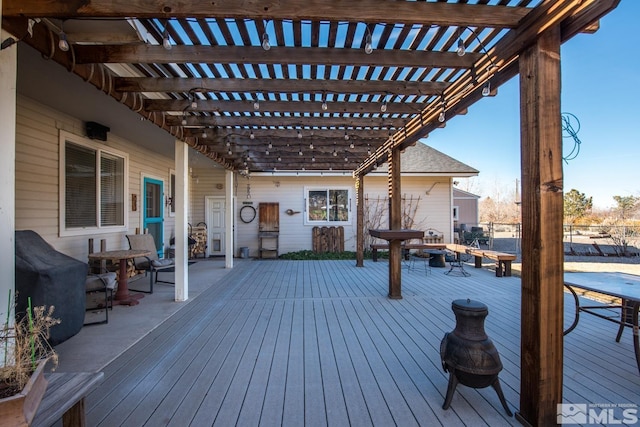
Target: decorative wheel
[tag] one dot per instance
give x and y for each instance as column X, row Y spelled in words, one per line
column 247, row 214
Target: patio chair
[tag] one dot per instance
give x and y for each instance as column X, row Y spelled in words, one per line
column 100, row 283
column 151, row 264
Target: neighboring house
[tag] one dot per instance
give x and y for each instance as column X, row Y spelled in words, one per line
column 465, row 209
column 136, row 174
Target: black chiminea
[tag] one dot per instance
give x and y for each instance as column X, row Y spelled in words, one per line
column 468, row 354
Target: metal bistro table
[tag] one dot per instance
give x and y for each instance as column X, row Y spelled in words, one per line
column 122, row 297
column 618, row 285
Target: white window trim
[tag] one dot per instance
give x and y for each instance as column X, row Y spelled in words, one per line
column 327, row 222
column 63, row 137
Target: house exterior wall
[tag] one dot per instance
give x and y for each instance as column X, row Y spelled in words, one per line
column 37, row 171
column 433, row 210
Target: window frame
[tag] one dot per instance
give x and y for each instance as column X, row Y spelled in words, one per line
column 66, row 137
column 327, row 189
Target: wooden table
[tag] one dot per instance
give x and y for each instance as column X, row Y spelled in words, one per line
column 122, row 297
column 395, row 239
column 64, row 398
column 625, row 287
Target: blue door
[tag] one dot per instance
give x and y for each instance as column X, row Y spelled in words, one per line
column 152, row 211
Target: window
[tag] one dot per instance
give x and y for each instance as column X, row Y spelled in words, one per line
column 328, row 205
column 92, row 187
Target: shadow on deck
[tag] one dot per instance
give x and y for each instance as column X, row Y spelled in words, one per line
column 319, row 343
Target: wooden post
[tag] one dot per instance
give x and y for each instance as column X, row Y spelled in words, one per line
column 542, row 247
column 360, row 221
column 395, row 223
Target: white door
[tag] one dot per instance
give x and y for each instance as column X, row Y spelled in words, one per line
column 214, row 212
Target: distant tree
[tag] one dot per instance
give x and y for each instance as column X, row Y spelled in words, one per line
column 576, row 205
column 621, row 235
column 626, row 206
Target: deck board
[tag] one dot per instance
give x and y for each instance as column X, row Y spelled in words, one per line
column 320, row 343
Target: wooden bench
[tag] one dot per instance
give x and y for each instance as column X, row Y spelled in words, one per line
column 503, row 260
column 64, row 398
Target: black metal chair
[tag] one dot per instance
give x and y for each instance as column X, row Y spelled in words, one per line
column 101, row 283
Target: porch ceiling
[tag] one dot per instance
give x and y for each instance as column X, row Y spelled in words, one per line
column 317, row 99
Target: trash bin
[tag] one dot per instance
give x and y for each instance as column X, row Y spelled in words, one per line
column 244, row 252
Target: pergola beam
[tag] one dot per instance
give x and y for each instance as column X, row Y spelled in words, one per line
column 311, row 86
column 156, row 54
column 316, row 10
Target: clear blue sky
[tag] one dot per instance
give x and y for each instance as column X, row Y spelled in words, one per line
column 600, row 86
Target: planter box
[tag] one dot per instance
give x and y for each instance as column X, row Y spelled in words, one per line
column 19, row 410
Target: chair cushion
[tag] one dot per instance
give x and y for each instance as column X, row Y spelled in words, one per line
column 159, row 263
column 100, row 281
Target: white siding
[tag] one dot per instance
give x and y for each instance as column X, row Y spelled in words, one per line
column 434, row 210
column 37, row 189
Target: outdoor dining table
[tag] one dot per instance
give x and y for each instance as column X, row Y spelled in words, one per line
column 123, row 296
column 625, row 287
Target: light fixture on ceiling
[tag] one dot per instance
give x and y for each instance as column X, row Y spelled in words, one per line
column 311, row 146
column 351, row 146
column 270, row 146
column 313, row 158
column 228, row 144
column 279, row 158
column 368, row 48
column 256, row 105
column 251, row 135
column 63, row 44
column 299, row 135
column 325, row 107
column 266, row 152
column 166, row 43
column 300, row 152
column 346, row 136
column 265, row 42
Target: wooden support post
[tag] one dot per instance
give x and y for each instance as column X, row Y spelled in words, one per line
column 542, row 248
column 360, row 221
column 395, row 223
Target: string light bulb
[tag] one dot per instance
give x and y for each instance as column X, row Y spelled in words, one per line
column 299, row 135
column 460, row 50
column 346, row 136
column 251, row 135
column 383, row 107
column 265, row 42
column 325, row 107
column 486, row 89
column 204, row 133
column 270, row 146
column 166, row 42
column 184, row 120
column 441, row 117
column 256, row 105
column 351, row 146
column 63, row 44
column 368, row 48
column 311, row 146
column 194, row 103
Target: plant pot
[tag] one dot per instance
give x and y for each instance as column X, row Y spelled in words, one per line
column 19, row 409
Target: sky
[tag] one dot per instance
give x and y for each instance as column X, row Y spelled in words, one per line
column 600, row 86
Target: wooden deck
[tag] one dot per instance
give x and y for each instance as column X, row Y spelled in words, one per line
column 319, row 343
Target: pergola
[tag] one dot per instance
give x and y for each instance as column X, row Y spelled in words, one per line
column 292, row 85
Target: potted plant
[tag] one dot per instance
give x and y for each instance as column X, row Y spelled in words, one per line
column 25, row 352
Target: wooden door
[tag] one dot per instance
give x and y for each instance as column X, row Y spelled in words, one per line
column 269, row 217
